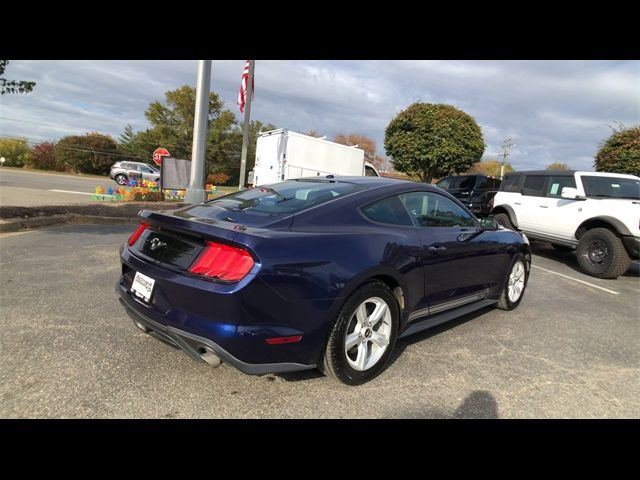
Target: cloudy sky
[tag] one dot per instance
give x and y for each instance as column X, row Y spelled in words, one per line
column 552, row 110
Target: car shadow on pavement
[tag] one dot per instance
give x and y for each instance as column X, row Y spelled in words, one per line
column 569, row 259
column 403, row 343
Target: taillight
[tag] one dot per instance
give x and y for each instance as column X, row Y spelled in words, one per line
column 223, row 262
column 136, row 235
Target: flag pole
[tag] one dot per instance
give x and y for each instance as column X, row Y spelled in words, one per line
column 245, row 126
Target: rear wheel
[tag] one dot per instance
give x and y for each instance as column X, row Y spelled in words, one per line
column 121, row 179
column 601, row 254
column 515, row 284
column 363, row 336
column 504, row 220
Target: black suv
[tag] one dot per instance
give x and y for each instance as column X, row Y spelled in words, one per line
column 475, row 191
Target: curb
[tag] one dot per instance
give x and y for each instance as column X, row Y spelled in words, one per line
column 14, row 225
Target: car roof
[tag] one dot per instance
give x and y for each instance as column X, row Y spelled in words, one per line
column 555, row 173
column 369, row 181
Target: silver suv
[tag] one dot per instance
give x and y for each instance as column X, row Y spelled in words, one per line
column 122, row 172
column 595, row 214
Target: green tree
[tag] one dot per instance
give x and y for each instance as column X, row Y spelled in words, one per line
column 90, row 153
column 620, row 153
column 42, row 156
column 558, row 166
column 172, row 128
column 13, row 86
column 15, row 151
column 490, row 167
column 433, row 140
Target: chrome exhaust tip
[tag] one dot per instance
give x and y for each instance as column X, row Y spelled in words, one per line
column 210, row 357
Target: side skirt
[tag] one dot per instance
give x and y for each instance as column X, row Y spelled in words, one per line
column 437, row 319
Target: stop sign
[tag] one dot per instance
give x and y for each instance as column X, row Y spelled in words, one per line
column 158, row 153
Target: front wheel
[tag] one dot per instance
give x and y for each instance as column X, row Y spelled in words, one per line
column 515, row 284
column 601, row 254
column 121, row 179
column 363, row 336
column 504, row 220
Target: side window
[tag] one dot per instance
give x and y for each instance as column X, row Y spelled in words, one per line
column 445, row 183
column 556, row 184
column 430, row 209
column 465, row 183
column 389, row 210
column 496, row 183
column 511, row 183
column 534, row 185
column 482, row 183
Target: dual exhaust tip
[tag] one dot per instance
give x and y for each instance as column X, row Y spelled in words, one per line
column 206, row 353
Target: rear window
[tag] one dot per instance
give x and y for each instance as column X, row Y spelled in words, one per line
column 285, row 197
column 263, row 205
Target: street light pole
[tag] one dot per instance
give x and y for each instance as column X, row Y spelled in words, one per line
column 195, row 191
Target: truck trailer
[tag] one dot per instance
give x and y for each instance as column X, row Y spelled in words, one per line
column 282, row 155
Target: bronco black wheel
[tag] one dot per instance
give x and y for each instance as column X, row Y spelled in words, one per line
column 601, row 254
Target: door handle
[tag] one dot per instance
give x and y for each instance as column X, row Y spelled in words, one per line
column 437, row 248
column 517, row 203
column 544, row 206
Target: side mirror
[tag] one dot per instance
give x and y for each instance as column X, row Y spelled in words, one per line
column 570, row 193
column 489, row 223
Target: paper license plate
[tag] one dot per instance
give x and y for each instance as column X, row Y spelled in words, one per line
column 142, row 286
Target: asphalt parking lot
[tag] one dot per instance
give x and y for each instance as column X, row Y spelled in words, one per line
column 68, row 350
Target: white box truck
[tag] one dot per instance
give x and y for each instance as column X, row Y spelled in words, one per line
column 282, row 155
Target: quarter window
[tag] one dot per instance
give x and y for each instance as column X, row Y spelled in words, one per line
column 429, row 209
column 389, row 210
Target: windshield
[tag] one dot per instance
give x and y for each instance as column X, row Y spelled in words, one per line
column 611, row 187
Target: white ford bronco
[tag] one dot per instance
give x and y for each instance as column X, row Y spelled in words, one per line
column 596, row 214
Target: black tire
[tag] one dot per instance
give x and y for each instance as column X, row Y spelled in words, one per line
column 335, row 362
column 121, row 179
column 562, row 248
column 506, row 303
column 601, row 254
column 504, row 220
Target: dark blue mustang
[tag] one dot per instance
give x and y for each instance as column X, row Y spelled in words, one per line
column 316, row 273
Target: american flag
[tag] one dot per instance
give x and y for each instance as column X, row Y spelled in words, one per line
column 243, row 87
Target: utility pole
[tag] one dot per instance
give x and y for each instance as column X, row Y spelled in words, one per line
column 505, row 154
column 247, row 123
column 195, row 191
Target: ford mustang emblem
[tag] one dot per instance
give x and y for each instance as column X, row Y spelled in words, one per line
column 156, row 244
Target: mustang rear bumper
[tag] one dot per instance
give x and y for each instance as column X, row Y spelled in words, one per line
column 194, row 345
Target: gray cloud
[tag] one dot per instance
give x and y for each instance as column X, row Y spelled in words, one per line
column 553, row 110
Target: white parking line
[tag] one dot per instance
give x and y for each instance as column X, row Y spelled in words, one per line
column 81, row 193
column 576, row 280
